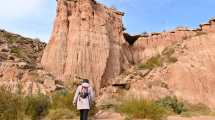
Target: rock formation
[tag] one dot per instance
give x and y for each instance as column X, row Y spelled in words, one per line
column 86, row 41
column 191, row 77
column 20, row 69
column 148, row 45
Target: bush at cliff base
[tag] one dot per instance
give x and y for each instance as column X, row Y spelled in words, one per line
column 172, row 104
column 14, row 106
column 18, row 107
column 37, row 106
column 140, row 108
column 60, row 114
column 11, row 106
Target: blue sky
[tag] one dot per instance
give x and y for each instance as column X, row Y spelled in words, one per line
column 34, row 18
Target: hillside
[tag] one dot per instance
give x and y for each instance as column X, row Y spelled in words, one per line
column 20, row 67
column 184, row 69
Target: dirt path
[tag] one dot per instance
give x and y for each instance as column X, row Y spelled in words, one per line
column 191, row 118
column 107, row 115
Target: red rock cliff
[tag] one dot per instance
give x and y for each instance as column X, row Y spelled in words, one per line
column 86, row 41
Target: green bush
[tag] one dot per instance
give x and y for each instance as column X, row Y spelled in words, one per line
column 166, row 56
column 62, row 99
column 17, row 51
column 15, row 106
column 37, row 106
column 11, row 106
column 172, row 104
column 151, row 63
column 140, row 108
column 197, row 109
column 60, row 113
column 11, row 39
column 168, row 51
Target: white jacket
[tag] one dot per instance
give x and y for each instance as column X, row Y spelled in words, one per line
column 83, row 103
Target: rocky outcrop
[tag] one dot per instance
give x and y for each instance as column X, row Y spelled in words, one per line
column 208, row 27
column 149, row 44
column 190, row 77
column 20, row 69
column 86, row 41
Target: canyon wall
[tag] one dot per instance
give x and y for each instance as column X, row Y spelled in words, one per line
column 86, row 41
column 190, row 77
column 149, row 45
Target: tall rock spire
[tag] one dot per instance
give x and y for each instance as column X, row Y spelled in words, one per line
column 86, row 41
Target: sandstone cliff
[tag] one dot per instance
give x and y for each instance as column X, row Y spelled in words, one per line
column 184, row 69
column 86, row 41
column 149, row 44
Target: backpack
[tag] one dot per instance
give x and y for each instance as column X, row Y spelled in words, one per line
column 84, row 92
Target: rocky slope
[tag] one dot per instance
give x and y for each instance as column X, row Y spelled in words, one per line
column 184, row 69
column 149, row 44
column 20, row 68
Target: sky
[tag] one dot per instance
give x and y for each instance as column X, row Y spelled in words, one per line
column 34, row 18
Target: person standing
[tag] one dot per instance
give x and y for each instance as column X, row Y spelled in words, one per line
column 83, row 98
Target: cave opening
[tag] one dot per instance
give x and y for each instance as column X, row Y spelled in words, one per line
column 131, row 39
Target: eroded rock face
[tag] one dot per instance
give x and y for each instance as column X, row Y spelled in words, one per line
column 190, row 78
column 86, row 41
column 20, row 69
column 147, row 46
column 152, row 44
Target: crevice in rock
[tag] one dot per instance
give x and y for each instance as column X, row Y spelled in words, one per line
column 125, row 86
column 67, row 37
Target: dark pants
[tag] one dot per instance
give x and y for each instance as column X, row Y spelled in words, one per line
column 84, row 114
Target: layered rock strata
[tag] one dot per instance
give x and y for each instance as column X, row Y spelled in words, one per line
column 86, row 41
column 148, row 45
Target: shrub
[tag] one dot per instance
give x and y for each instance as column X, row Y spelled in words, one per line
column 15, row 106
column 17, row 51
column 153, row 62
column 140, row 108
column 59, row 114
column 93, row 109
column 11, row 39
column 172, row 104
column 168, row 51
column 167, row 55
column 37, row 106
column 10, row 106
column 62, row 99
column 197, row 109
